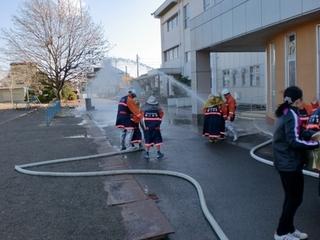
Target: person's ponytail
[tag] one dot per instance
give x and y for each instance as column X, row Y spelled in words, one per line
column 281, row 107
column 290, row 95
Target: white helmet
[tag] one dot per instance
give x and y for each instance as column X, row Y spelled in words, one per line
column 225, row 91
column 133, row 92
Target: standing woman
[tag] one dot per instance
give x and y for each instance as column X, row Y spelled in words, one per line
column 288, row 148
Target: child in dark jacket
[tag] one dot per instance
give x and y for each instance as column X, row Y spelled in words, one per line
column 152, row 115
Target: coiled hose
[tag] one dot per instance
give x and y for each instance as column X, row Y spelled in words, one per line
column 215, row 226
column 265, row 161
column 204, row 208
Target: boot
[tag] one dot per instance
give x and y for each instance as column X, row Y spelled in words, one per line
column 235, row 136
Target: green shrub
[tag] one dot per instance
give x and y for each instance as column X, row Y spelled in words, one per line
column 72, row 96
column 48, row 94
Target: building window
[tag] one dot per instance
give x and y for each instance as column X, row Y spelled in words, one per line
column 234, row 79
column 243, row 76
column 292, row 45
column 206, row 4
column 291, row 59
column 226, row 78
column 172, row 22
column 255, row 76
column 19, row 82
column 188, row 56
column 186, row 13
column 171, row 54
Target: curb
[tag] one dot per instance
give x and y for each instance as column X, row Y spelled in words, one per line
column 19, row 116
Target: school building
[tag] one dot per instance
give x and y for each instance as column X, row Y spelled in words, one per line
column 255, row 48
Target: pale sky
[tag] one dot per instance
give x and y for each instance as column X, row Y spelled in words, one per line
column 128, row 26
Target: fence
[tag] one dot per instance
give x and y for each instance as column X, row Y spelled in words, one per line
column 52, row 110
column 258, row 101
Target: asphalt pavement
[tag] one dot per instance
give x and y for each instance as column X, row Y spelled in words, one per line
column 243, row 195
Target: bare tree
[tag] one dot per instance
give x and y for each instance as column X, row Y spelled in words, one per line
column 58, row 37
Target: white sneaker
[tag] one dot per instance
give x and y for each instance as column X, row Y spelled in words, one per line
column 299, row 234
column 131, row 148
column 288, row 236
column 235, row 137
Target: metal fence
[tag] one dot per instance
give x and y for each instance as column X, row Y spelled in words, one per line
column 258, row 102
column 52, row 110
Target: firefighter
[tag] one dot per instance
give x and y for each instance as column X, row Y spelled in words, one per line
column 213, row 123
column 306, row 110
column 152, row 115
column 231, row 112
column 127, row 109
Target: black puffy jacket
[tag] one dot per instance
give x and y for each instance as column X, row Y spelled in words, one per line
column 288, row 144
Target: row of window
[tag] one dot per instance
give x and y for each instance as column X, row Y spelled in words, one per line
column 171, row 54
column 174, row 53
column 234, row 79
column 174, row 21
column 231, row 78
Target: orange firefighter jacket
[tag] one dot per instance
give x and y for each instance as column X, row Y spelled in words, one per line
column 231, row 105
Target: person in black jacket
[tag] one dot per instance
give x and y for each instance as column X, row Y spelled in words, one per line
column 290, row 141
column 127, row 111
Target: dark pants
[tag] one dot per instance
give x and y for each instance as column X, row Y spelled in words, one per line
column 292, row 183
column 319, row 187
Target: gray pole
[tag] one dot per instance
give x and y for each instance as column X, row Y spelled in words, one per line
column 137, row 66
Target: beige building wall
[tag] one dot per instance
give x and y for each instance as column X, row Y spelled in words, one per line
column 22, row 74
column 306, row 63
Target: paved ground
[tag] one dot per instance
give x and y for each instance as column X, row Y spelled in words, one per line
column 35, row 207
column 244, row 196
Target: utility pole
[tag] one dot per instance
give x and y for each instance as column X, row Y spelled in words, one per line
column 115, row 62
column 137, row 66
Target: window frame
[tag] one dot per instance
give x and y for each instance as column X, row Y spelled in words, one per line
column 206, row 5
column 226, row 77
column 187, row 57
column 186, row 13
column 172, row 22
column 172, row 53
column 255, row 76
column 291, row 68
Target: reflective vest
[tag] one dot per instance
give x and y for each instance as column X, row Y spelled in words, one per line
column 213, row 110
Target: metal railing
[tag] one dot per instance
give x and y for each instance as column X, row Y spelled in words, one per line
column 52, row 110
column 259, row 101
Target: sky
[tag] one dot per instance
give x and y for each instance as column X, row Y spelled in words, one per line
column 129, row 27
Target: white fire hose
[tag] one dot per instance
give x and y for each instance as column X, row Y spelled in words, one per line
column 204, row 208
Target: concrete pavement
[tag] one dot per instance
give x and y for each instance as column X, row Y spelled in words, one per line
column 244, row 195
column 27, row 139
column 59, row 207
